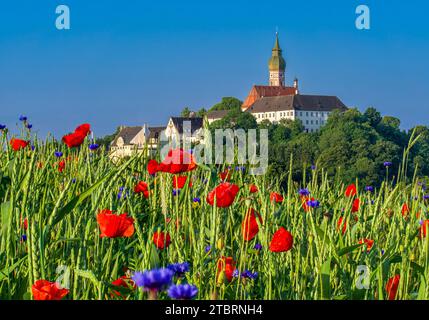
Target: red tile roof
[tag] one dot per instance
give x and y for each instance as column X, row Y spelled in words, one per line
column 258, row 92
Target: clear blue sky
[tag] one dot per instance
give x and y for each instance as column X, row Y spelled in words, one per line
column 130, row 62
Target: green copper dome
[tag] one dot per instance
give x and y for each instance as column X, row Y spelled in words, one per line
column 276, row 61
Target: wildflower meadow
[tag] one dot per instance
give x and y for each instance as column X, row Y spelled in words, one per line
column 75, row 225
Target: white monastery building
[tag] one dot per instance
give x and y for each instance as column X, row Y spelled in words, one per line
column 277, row 101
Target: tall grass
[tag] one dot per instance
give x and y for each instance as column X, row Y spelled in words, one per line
column 63, row 234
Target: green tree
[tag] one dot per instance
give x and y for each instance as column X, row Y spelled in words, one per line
column 227, row 103
column 201, row 113
column 185, row 112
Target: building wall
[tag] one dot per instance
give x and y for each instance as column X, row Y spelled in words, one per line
column 312, row 120
column 274, row 116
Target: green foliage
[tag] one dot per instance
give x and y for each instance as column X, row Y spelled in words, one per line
column 235, row 119
column 185, row 112
column 227, row 103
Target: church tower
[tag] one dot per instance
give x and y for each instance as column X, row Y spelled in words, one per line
column 277, row 65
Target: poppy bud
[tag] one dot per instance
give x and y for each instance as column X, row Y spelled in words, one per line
column 220, row 244
column 221, row 278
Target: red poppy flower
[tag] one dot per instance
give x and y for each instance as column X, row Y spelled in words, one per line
column 142, row 188
column 61, row 166
column 405, row 210
column 18, row 144
column 83, row 129
column 344, row 225
column 369, row 243
column 351, row 190
column 224, row 193
column 176, row 161
column 46, row 290
column 123, row 282
column 249, row 225
column 180, row 181
column 282, row 241
column 226, row 175
column 356, row 204
column 392, row 286
column 161, row 239
column 226, row 265
column 253, row 189
column 276, row 197
column 423, row 229
column 114, row 226
column 74, row 140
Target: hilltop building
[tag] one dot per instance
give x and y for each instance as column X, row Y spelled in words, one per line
column 277, row 101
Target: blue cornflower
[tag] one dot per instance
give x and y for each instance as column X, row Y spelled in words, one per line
column 122, row 194
column 176, row 192
column 240, row 168
column 93, row 146
column 247, row 274
column 258, row 246
column 23, row 118
column 387, row 164
column 2, row 127
column 179, row 269
column 313, row 167
column 421, row 222
column 382, row 252
column 196, row 200
column 73, row 180
column 33, row 147
column 304, row 192
column 23, row 238
column 426, row 196
column 313, row 203
column 29, row 126
column 369, row 188
column 207, row 249
column 58, row 154
column 182, row 291
column 155, row 280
